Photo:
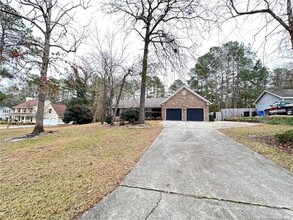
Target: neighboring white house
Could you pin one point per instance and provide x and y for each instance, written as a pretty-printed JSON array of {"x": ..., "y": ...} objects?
[
  {"x": 267, "y": 98},
  {"x": 5, "y": 113},
  {"x": 26, "y": 112}
]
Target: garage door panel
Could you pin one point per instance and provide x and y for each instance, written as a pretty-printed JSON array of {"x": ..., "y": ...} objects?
[
  {"x": 195, "y": 114},
  {"x": 174, "y": 114},
  {"x": 50, "y": 121}
]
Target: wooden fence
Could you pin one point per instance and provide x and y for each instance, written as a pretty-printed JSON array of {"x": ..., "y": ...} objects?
[{"x": 233, "y": 112}]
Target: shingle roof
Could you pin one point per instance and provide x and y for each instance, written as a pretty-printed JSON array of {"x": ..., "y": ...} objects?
[
  {"x": 27, "y": 104},
  {"x": 149, "y": 103},
  {"x": 283, "y": 93},
  {"x": 59, "y": 109}
]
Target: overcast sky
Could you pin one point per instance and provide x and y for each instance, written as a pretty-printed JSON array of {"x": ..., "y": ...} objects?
[{"x": 240, "y": 30}]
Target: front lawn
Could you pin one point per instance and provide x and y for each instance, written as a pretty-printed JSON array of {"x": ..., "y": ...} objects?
[
  {"x": 62, "y": 174},
  {"x": 261, "y": 138}
]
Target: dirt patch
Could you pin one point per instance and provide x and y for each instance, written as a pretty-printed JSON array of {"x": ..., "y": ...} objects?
[{"x": 272, "y": 141}]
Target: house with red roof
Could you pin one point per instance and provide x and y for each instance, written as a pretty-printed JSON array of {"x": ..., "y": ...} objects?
[{"x": 26, "y": 112}]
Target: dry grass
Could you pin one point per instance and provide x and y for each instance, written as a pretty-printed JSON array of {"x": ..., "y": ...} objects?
[
  {"x": 248, "y": 137},
  {"x": 60, "y": 175}
]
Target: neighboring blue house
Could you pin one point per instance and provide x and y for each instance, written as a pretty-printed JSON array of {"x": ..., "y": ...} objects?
[{"x": 267, "y": 98}]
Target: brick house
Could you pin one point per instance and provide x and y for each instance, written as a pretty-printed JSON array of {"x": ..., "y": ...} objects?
[{"x": 183, "y": 105}]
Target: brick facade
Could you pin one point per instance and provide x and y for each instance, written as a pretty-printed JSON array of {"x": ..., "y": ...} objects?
[{"x": 185, "y": 99}]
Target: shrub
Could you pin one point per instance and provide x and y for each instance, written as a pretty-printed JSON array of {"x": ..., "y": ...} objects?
[
  {"x": 242, "y": 119},
  {"x": 152, "y": 115},
  {"x": 285, "y": 136},
  {"x": 108, "y": 119},
  {"x": 78, "y": 111},
  {"x": 130, "y": 114},
  {"x": 278, "y": 120}
]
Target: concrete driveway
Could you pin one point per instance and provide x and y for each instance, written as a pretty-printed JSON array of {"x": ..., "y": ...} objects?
[{"x": 192, "y": 171}]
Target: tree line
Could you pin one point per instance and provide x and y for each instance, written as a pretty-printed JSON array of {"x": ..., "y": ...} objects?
[{"x": 230, "y": 76}]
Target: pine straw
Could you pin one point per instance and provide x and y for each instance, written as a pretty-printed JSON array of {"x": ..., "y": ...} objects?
[{"x": 60, "y": 175}]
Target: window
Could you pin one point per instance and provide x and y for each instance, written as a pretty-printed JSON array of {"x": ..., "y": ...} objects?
[
  {"x": 50, "y": 110},
  {"x": 18, "y": 110},
  {"x": 24, "y": 110}
]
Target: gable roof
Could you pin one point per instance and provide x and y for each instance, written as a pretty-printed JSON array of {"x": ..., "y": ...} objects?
[
  {"x": 27, "y": 104},
  {"x": 134, "y": 103},
  {"x": 59, "y": 109},
  {"x": 189, "y": 90},
  {"x": 282, "y": 94}
]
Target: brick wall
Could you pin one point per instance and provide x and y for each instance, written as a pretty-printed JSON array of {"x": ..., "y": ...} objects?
[{"x": 185, "y": 99}]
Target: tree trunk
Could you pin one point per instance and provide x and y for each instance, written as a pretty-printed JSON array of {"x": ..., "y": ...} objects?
[
  {"x": 118, "y": 98},
  {"x": 111, "y": 94},
  {"x": 290, "y": 20},
  {"x": 95, "y": 107},
  {"x": 104, "y": 100},
  {"x": 141, "y": 117},
  {"x": 291, "y": 35},
  {"x": 2, "y": 43},
  {"x": 39, "y": 127}
]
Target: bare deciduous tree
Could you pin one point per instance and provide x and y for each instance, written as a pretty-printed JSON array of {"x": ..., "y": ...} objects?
[
  {"x": 157, "y": 23},
  {"x": 280, "y": 13},
  {"x": 53, "y": 19},
  {"x": 107, "y": 61},
  {"x": 126, "y": 74}
]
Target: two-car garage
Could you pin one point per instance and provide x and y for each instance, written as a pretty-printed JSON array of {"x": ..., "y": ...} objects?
[
  {"x": 192, "y": 114},
  {"x": 185, "y": 105}
]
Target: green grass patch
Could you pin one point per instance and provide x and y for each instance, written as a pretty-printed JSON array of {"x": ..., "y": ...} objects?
[
  {"x": 285, "y": 136},
  {"x": 60, "y": 175},
  {"x": 277, "y": 120}
]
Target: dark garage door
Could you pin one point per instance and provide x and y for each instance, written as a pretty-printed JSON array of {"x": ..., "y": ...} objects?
[
  {"x": 194, "y": 114},
  {"x": 174, "y": 114}
]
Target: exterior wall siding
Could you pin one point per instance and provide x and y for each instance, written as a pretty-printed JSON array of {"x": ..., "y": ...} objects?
[
  {"x": 265, "y": 101},
  {"x": 184, "y": 102},
  {"x": 5, "y": 113}
]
